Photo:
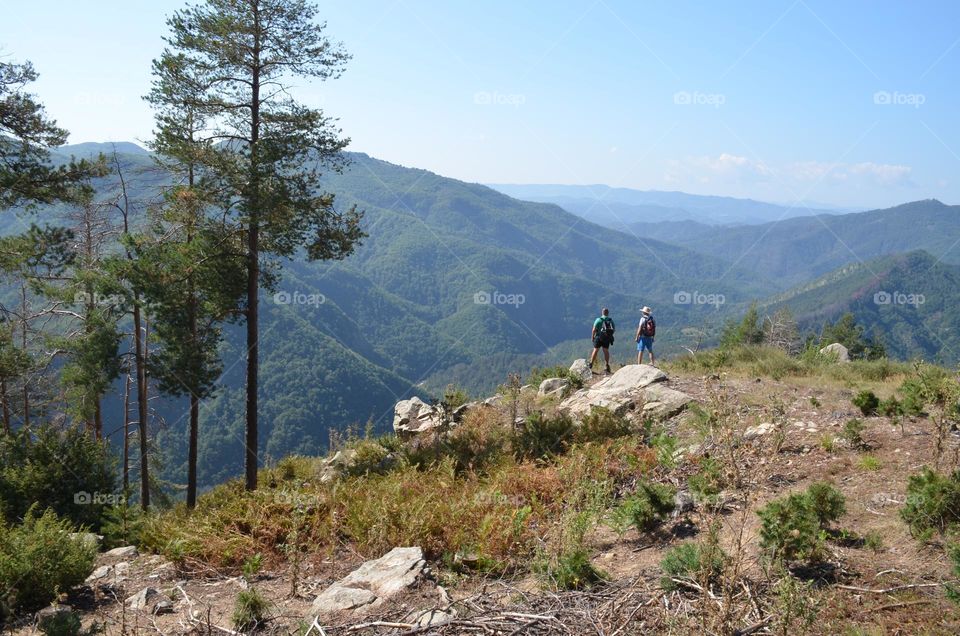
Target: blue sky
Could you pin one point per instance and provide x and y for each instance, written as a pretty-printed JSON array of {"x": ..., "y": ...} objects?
[{"x": 849, "y": 103}]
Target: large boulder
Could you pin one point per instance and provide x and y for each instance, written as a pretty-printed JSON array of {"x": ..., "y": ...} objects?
[
  {"x": 620, "y": 392},
  {"x": 581, "y": 369},
  {"x": 372, "y": 583},
  {"x": 836, "y": 351},
  {"x": 415, "y": 416}
]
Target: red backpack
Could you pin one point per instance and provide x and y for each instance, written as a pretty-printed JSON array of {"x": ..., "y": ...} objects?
[{"x": 648, "y": 328}]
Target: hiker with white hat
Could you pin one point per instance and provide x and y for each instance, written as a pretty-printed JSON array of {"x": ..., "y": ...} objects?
[{"x": 646, "y": 330}]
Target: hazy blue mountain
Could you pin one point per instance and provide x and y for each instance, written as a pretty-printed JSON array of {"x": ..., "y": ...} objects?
[
  {"x": 618, "y": 207},
  {"x": 794, "y": 251}
]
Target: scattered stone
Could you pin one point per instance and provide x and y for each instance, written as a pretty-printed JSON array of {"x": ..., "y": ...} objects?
[
  {"x": 163, "y": 607},
  {"x": 141, "y": 599},
  {"x": 553, "y": 387},
  {"x": 495, "y": 400},
  {"x": 581, "y": 369},
  {"x": 415, "y": 416},
  {"x": 759, "y": 430},
  {"x": 372, "y": 583},
  {"x": 99, "y": 574},
  {"x": 125, "y": 552},
  {"x": 528, "y": 388},
  {"x": 683, "y": 502},
  {"x": 53, "y": 614},
  {"x": 836, "y": 351},
  {"x": 432, "y": 618}
]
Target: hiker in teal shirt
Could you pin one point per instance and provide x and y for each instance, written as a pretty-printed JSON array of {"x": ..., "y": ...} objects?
[{"x": 602, "y": 336}]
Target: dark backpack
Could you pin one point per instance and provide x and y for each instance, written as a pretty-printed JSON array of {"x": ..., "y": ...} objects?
[
  {"x": 649, "y": 327},
  {"x": 607, "y": 327}
]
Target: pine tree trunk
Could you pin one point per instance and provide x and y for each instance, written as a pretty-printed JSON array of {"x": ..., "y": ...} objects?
[
  {"x": 126, "y": 434},
  {"x": 192, "y": 458},
  {"x": 139, "y": 345},
  {"x": 253, "y": 265},
  {"x": 6, "y": 405},
  {"x": 97, "y": 419}
]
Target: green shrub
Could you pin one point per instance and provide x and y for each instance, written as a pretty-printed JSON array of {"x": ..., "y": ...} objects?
[
  {"x": 602, "y": 424},
  {"x": 692, "y": 561},
  {"x": 867, "y": 402},
  {"x": 789, "y": 529},
  {"x": 707, "y": 483},
  {"x": 250, "y": 610},
  {"x": 870, "y": 462},
  {"x": 65, "y": 470},
  {"x": 891, "y": 407},
  {"x": 933, "y": 501},
  {"x": 853, "y": 433},
  {"x": 121, "y": 524},
  {"x": 646, "y": 508},
  {"x": 38, "y": 559},
  {"x": 539, "y": 436},
  {"x": 873, "y": 540},
  {"x": 573, "y": 571},
  {"x": 828, "y": 503},
  {"x": 66, "y": 623},
  {"x": 453, "y": 398}
]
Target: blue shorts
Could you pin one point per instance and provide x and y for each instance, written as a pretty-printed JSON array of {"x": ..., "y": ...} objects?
[{"x": 645, "y": 342}]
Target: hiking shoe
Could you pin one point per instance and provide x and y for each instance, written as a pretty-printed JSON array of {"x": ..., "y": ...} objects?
[{"x": 608, "y": 369}]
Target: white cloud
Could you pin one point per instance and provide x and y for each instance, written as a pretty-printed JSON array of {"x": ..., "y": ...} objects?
[
  {"x": 729, "y": 169},
  {"x": 879, "y": 174}
]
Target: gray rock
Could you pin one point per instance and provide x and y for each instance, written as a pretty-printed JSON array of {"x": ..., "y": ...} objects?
[
  {"x": 52, "y": 614},
  {"x": 101, "y": 573},
  {"x": 415, "y": 416},
  {"x": 662, "y": 403},
  {"x": 581, "y": 369},
  {"x": 372, "y": 583},
  {"x": 836, "y": 351},
  {"x": 433, "y": 617},
  {"x": 163, "y": 607},
  {"x": 496, "y": 400},
  {"x": 620, "y": 392},
  {"x": 125, "y": 552},
  {"x": 683, "y": 502},
  {"x": 759, "y": 430},
  {"x": 553, "y": 387},
  {"x": 141, "y": 599}
]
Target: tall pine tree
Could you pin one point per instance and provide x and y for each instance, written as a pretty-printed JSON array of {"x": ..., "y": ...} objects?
[{"x": 242, "y": 55}]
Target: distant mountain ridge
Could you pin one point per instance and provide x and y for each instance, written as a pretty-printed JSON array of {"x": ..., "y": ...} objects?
[
  {"x": 796, "y": 250},
  {"x": 620, "y": 207}
]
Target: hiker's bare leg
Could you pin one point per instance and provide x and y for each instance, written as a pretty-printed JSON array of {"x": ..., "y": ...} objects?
[
  {"x": 606, "y": 356},
  {"x": 593, "y": 356}
]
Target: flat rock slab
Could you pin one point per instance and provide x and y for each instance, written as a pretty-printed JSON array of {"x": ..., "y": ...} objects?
[
  {"x": 372, "y": 583},
  {"x": 619, "y": 393},
  {"x": 661, "y": 402}
]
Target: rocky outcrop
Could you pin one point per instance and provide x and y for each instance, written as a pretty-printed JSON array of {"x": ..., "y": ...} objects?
[
  {"x": 414, "y": 416},
  {"x": 344, "y": 462},
  {"x": 372, "y": 583},
  {"x": 622, "y": 392},
  {"x": 581, "y": 369},
  {"x": 553, "y": 387},
  {"x": 836, "y": 351}
]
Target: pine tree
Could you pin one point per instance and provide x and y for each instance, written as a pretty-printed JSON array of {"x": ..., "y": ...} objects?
[
  {"x": 26, "y": 133},
  {"x": 241, "y": 56}
]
